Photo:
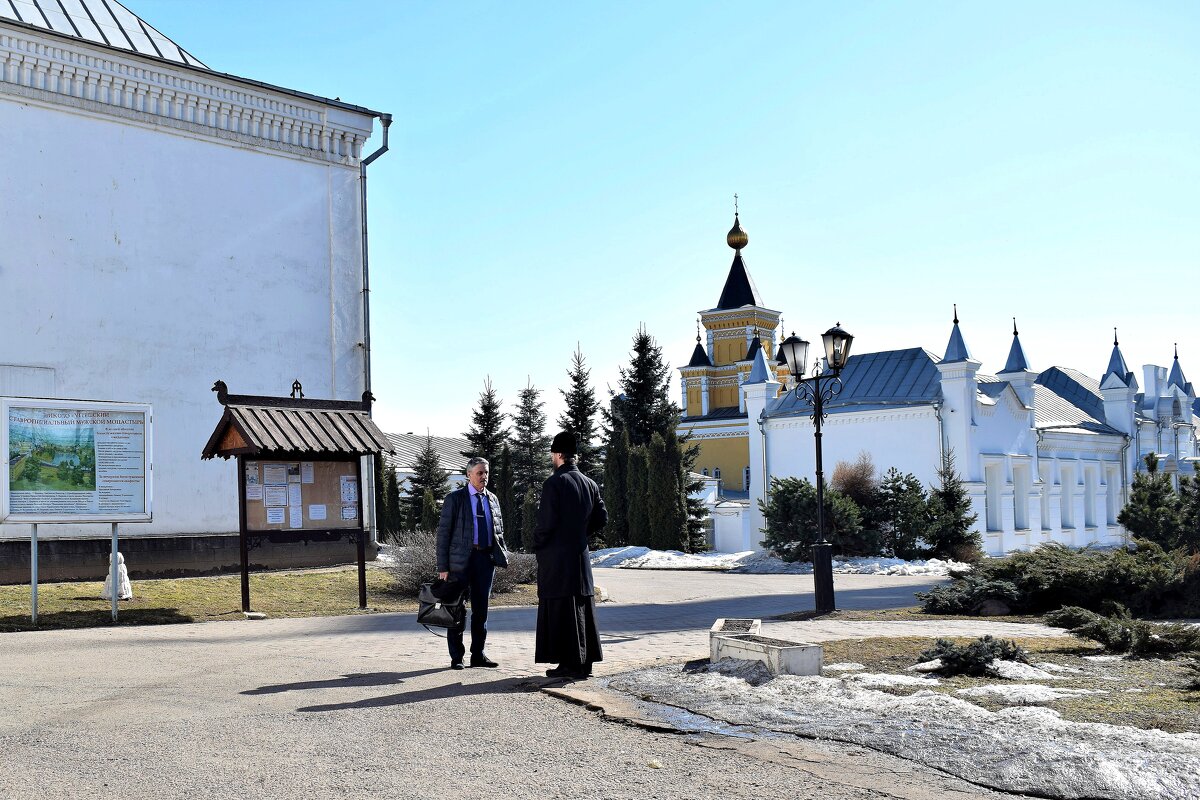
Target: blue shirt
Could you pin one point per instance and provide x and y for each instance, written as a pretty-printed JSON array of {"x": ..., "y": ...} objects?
[{"x": 487, "y": 512}]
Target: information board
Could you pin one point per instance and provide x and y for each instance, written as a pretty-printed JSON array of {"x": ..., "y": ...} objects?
[
  {"x": 75, "y": 461},
  {"x": 305, "y": 495}
]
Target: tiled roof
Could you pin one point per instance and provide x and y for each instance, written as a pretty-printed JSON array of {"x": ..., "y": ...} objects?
[
  {"x": 408, "y": 446},
  {"x": 739, "y": 287},
  {"x": 888, "y": 378},
  {"x": 105, "y": 22}
]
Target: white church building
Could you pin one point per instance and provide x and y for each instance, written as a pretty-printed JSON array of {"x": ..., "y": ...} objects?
[
  {"x": 1046, "y": 456},
  {"x": 165, "y": 225}
]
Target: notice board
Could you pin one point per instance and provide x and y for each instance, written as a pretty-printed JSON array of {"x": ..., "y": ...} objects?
[{"x": 302, "y": 495}]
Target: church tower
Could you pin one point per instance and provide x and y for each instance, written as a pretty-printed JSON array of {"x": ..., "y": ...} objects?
[{"x": 734, "y": 332}]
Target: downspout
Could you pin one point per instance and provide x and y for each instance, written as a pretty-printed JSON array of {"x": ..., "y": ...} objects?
[
  {"x": 937, "y": 412},
  {"x": 1125, "y": 484},
  {"x": 385, "y": 120}
]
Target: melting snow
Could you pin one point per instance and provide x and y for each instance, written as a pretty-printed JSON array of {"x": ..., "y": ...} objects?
[
  {"x": 762, "y": 563},
  {"x": 927, "y": 666},
  {"x": 883, "y": 679},
  {"x": 1025, "y": 694},
  {"x": 847, "y": 666},
  {"x": 1021, "y": 749},
  {"x": 1016, "y": 671}
]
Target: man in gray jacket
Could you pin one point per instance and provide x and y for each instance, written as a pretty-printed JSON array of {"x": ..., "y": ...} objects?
[{"x": 469, "y": 533}]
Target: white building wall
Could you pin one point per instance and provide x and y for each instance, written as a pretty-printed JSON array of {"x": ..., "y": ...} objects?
[{"x": 143, "y": 261}]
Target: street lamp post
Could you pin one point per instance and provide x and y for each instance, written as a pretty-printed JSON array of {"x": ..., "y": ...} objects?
[{"x": 819, "y": 389}]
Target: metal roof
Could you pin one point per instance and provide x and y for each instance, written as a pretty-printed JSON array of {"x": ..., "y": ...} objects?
[
  {"x": 956, "y": 348},
  {"x": 293, "y": 426},
  {"x": 408, "y": 446},
  {"x": 1016, "y": 356},
  {"x": 725, "y": 412},
  {"x": 888, "y": 378},
  {"x": 1076, "y": 388},
  {"x": 105, "y": 22},
  {"x": 700, "y": 357},
  {"x": 739, "y": 287}
]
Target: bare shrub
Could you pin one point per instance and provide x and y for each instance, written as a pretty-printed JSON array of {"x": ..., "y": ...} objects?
[
  {"x": 415, "y": 561},
  {"x": 522, "y": 568}
]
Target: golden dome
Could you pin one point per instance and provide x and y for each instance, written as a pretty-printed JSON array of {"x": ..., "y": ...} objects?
[{"x": 737, "y": 238}]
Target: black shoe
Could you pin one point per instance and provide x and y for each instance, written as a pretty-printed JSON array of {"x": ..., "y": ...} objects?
[
  {"x": 574, "y": 673},
  {"x": 481, "y": 660},
  {"x": 456, "y": 664}
]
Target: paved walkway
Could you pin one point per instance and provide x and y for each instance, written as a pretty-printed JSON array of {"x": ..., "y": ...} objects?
[{"x": 344, "y": 706}]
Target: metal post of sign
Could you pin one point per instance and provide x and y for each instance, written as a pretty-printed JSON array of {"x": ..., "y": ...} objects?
[
  {"x": 113, "y": 572},
  {"x": 33, "y": 571}
]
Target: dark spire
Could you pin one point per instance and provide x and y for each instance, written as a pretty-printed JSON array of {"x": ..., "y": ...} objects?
[
  {"x": 1176, "y": 377},
  {"x": 956, "y": 348},
  {"x": 1016, "y": 355},
  {"x": 699, "y": 355},
  {"x": 1116, "y": 363}
]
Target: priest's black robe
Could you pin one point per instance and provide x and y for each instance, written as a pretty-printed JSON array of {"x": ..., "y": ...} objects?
[{"x": 571, "y": 510}]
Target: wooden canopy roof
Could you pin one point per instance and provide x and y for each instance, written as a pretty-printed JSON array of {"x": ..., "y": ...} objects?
[{"x": 293, "y": 426}]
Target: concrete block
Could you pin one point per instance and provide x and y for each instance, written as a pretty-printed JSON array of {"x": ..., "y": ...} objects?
[
  {"x": 781, "y": 657},
  {"x": 729, "y": 627}
]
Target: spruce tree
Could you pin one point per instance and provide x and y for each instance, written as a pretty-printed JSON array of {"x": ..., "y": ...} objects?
[
  {"x": 530, "y": 447},
  {"x": 644, "y": 406},
  {"x": 637, "y": 485},
  {"x": 380, "y": 497},
  {"x": 691, "y": 486},
  {"x": 616, "y": 490},
  {"x": 529, "y": 509},
  {"x": 1189, "y": 513},
  {"x": 1153, "y": 512},
  {"x": 393, "y": 512},
  {"x": 487, "y": 434},
  {"x": 665, "y": 512},
  {"x": 428, "y": 475},
  {"x": 903, "y": 514},
  {"x": 429, "y": 512},
  {"x": 579, "y": 417},
  {"x": 951, "y": 532},
  {"x": 504, "y": 491},
  {"x": 790, "y": 515}
]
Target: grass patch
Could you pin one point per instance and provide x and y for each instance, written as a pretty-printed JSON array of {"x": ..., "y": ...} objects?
[
  {"x": 1160, "y": 697},
  {"x": 292, "y": 593}
]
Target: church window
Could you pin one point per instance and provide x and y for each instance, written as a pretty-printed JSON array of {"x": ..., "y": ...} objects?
[
  {"x": 1068, "y": 497},
  {"x": 704, "y": 472},
  {"x": 1114, "y": 495},
  {"x": 1089, "y": 497},
  {"x": 717, "y": 473},
  {"x": 746, "y": 478},
  {"x": 1022, "y": 483},
  {"x": 993, "y": 474}
]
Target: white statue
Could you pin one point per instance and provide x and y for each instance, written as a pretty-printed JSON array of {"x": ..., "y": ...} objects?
[{"x": 125, "y": 590}]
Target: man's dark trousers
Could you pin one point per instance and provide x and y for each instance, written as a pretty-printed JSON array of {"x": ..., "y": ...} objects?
[{"x": 479, "y": 574}]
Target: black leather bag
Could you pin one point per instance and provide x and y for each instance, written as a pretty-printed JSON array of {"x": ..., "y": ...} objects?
[{"x": 442, "y": 604}]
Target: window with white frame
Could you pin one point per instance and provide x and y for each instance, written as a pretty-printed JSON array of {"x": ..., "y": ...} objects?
[
  {"x": 1022, "y": 484},
  {"x": 1068, "y": 497},
  {"x": 992, "y": 476},
  {"x": 1090, "y": 487}
]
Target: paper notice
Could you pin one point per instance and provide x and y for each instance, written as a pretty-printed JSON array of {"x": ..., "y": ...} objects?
[
  {"x": 295, "y": 517},
  {"x": 274, "y": 474},
  {"x": 252, "y": 478},
  {"x": 275, "y": 496},
  {"x": 306, "y": 472},
  {"x": 349, "y": 491},
  {"x": 317, "y": 512},
  {"x": 274, "y": 516},
  {"x": 349, "y": 512},
  {"x": 254, "y": 492},
  {"x": 293, "y": 473},
  {"x": 294, "y": 495}
]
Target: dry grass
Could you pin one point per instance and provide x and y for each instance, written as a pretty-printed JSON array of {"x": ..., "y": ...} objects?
[
  {"x": 908, "y": 614},
  {"x": 1160, "y": 696},
  {"x": 298, "y": 593}
]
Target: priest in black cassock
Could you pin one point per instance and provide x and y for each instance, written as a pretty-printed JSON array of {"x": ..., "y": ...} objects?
[{"x": 571, "y": 510}]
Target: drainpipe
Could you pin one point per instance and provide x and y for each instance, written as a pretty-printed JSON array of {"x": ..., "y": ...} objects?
[
  {"x": 762, "y": 429},
  {"x": 1125, "y": 485},
  {"x": 369, "y": 483},
  {"x": 385, "y": 120},
  {"x": 937, "y": 412}
]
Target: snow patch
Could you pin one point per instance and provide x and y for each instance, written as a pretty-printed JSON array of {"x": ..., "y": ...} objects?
[
  {"x": 1023, "y": 694},
  {"x": 847, "y": 666},
  {"x": 763, "y": 563},
  {"x": 927, "y": 666},
  {"x": 1016, "y": 671},
  {"x": 880, "y": 680},
  {"x": 1026, "y": 749}
]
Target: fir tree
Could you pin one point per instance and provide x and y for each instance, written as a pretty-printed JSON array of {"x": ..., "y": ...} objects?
[
  {"x": 644, "y": 406},
  {"x": 529, "y": 509},
  {"x": 393, "y": 512},
  {"x": 504, "y": 491},
  {"x": 429, "y": 512},
  {"x": 579, "y": 417},
  {"x": 903, "y": 514},
  {"x": 790, "y": 515},
  {"x": 1189, "y": 513},
  {"x": 637, "y": 484},
  {"x": 951, "y": 531},
  {"x": 685, "y": 454},
  {"x": 666, "y": 514},
  {"x": 487, "y": 435},
  {"x": 1153, "y": 512},
  {"x": 530, "y": 447},
  {"x": 428, "y": 475},
  {"x": 616, "y": 488},
  {"x": 380, "y": 499}
]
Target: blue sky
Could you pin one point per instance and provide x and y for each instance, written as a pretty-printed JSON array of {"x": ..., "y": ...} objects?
[{"x": 561, "y": 172}]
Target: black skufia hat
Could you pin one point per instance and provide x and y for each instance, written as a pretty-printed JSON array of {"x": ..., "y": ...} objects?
[{"x": 563, "y": 444}]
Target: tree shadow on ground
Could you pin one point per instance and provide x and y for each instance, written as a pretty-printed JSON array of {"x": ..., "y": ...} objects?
[
  {"x": 95, "y": 618},
  {"x": 346, "y": 681},
  {"x": 447, "y": 691}
]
